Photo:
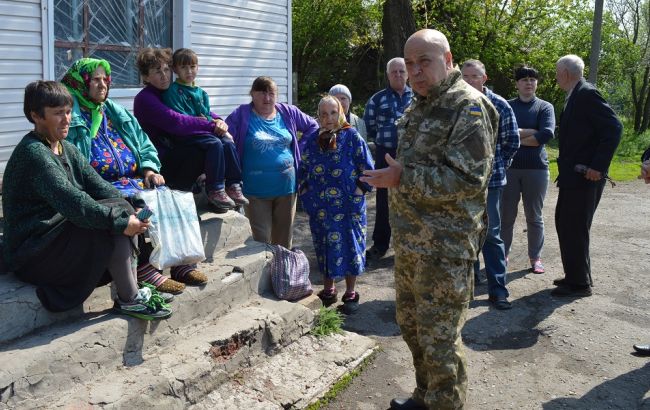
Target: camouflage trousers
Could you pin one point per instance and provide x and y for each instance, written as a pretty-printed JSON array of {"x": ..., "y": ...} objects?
[{"x": 432, "y": 297}]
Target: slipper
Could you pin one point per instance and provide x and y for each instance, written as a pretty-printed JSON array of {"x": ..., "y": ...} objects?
[
  {"x": 328, "y": 296},
  {"x": 194, "y": 278},
  {"x": 350, "y": 303}
]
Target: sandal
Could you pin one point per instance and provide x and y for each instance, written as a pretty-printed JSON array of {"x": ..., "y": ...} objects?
[
  {"x": 536, "y": 266},
  {"x": 328, "y": 296},
  {"x": 350, "y": 303}
]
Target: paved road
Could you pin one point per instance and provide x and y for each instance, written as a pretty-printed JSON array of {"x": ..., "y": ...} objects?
[{"x": 545, "y": 353}]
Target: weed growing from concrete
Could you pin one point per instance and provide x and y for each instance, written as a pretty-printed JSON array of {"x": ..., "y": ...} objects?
[
  {"x": 342, "y": 383},
  {"x": 327, "y": 322}
]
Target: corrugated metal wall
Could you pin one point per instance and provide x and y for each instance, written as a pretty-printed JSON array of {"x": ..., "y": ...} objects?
[
  {"x": 236, "y": 40},
  {"x": 21, "y": 63}
]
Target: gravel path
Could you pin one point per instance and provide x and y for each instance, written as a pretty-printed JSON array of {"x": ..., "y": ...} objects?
[{"x": 546, "y": 352}]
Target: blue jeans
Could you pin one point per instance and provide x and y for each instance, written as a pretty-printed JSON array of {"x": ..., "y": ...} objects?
[
  {"x": 494, "y": 254},
  {"x": 382, "y": 232}
]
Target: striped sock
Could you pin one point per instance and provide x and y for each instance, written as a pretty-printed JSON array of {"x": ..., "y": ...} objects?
[
  {"x": 147, "y": 273},
  {"x": 179, "y": 272}
]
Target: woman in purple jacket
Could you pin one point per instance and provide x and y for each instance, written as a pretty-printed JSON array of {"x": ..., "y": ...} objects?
[
  {"x": 161, "y": 122},
  {"x": 265, "y": 133}
]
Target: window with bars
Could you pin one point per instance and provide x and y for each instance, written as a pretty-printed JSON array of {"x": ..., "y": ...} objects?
[{"x": 114, "y": 30}]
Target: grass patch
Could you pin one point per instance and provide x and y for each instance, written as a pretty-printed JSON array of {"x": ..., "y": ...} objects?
[
  {"x": 342, "y": 383},
  {"x": 327, "y": 322},
  {"x": 622, "y": 168}
]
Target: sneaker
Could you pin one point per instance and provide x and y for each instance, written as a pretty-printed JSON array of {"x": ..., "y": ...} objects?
[
  {"x": 220, "y": 200},
  {"x": 147, "y": 305},
  {"x": 167, "y": 297},
  {"x": 234, "y": 192},
  {"x": 500, "y": 303},
  {"x": 536, "y": 266}
]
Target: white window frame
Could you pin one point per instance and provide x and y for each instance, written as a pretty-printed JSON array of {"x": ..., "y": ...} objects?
[{"x": 180, "y": 38}]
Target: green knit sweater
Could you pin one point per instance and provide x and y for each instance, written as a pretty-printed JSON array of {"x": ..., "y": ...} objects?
[{"x": 38, "y": 192}]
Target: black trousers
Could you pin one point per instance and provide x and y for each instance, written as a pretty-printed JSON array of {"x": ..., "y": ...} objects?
[
  {"x": 72, "y": 264},
  {"x": 382, "y": 232},
  {"x": 574, "y": 213},
  {"x": 182, "y": 165}
]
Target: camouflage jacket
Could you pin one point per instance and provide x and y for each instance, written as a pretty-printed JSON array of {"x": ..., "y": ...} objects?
[{"x": 446, "y": 147}]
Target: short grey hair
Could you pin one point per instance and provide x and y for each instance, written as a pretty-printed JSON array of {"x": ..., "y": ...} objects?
[
  {"x": 474, "y": 63},
  {"x": 574, "y": 65},
  {"x": 394, "y": 61}
]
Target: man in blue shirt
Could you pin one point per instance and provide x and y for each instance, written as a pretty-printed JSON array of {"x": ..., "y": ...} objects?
[
  {"x": 507, "y": 144},
  {"x": 382, "y": 110}
]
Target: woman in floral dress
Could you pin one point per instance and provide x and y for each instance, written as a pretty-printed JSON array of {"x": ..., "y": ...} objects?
[{"x": 328, "y": 181}]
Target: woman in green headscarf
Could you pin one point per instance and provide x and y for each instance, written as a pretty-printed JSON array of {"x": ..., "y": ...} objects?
[{"x": 119, "y": 150}]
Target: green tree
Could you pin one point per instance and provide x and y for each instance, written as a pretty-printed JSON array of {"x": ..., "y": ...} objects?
[
  {"x": 330, "y": 40},
  {"x": 634, "y": 18}
]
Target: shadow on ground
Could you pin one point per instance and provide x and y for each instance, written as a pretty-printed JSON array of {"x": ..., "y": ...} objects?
[
  {"x": 627, "y": 391},
  {"x": 374, "y": 318},
  {"x": 511, "y": 329}
]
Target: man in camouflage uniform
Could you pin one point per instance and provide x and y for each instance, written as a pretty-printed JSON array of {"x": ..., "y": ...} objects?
[{"x": 437, "y": 201}]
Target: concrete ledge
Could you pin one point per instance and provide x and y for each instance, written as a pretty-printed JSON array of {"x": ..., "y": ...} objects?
[
  {"x": 32, "y": 366},
  {"x": 196, "y": 360},
  {"x": 223, "y": 236}
]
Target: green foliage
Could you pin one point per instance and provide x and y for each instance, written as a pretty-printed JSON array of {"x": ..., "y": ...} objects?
[
  {"x": 505, "y": 35},
  {"x": 330, "y": 40},
  {"x": 626, "y": 163},
  {"x": 327, "y": 322},
  {"x": 632, "y": 144},
  {"x": 339, "y": 41}
]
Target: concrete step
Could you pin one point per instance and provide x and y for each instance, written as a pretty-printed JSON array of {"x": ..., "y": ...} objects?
[
  {"x": 33, "y": 365},
  {"x": 293, "y": 379},
  {"x": 172, "y": 372},
  {"x": 223, "y": 235}
]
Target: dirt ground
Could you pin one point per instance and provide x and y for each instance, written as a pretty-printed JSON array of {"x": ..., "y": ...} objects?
[{"x": 546, "y": 352}]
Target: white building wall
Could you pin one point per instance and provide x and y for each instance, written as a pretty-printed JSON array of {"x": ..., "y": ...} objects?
[
  {"x": 22, "y": 62},
  {"x": 237, "y": 41}
]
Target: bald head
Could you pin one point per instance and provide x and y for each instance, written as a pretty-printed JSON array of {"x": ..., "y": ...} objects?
[{"x": 428, "y": 59}]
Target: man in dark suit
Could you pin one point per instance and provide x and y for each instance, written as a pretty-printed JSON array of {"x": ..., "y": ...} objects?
[{"x": 589, "y": 134}]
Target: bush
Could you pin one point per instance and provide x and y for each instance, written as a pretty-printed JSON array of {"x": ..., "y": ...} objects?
[{"x": 632, "y": 144}]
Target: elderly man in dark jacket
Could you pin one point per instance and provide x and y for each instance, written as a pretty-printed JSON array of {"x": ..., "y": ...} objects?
[{"x": 589, "y": 135}]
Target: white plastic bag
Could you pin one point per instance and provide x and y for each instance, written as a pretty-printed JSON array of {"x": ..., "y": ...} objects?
[{"x": 175, "y": 233}]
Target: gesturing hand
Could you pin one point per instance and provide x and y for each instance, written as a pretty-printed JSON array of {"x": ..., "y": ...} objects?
[{"x": 386, "y": 177}]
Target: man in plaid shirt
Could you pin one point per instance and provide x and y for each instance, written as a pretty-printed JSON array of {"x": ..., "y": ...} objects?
[
  {"x": 494, "y": 254},
  {"x": 382, "y": 110}
]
